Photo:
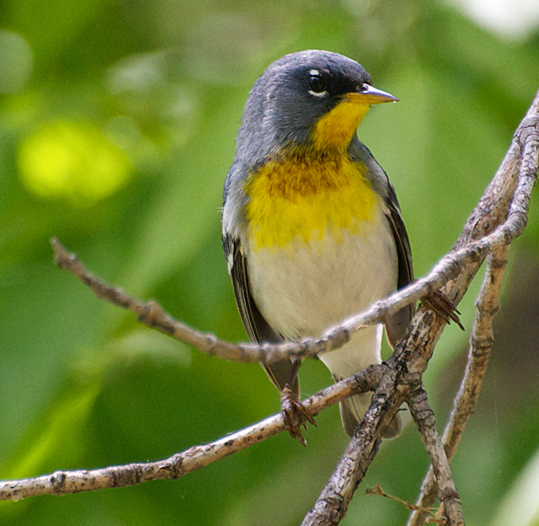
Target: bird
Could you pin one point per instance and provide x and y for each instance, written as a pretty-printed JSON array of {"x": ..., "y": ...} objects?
[{"x": 311, "y": 226}]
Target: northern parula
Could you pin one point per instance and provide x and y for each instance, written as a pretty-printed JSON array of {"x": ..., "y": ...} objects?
[{"x": 312, "y": 228}]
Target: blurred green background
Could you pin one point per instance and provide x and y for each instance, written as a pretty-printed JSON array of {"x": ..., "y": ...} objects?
[{"x": 117, "y": 126}]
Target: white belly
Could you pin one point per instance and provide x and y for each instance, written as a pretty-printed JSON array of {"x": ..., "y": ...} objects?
[{"x": 302, "y": 291}]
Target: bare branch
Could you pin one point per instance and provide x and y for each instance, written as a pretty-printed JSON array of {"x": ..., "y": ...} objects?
[
  {"x": 377, "y": 490},
  {"x": 500, "y": 216},
  {"x": 332, "y": 504},
  {"x": 498, "y": 194},
  {"x": 481, "y": 342},
  {"x": 424, "y": 418},
  {"x": 484, "y": 219},
  {"x": 196, "y": 457}
]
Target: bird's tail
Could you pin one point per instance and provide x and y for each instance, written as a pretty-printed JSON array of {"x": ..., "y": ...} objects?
[
  {"x": 353, "y": 410},
  {"x": 363, "y": 350}
]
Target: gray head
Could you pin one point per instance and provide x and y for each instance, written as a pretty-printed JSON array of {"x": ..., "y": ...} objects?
[{"x": 293, "y": 95}]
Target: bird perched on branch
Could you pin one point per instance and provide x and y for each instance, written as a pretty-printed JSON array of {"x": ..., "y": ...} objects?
[{"x": 312, "y": 228}]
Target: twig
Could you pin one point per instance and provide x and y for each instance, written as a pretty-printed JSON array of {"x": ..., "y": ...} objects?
[
  {"x": 196, "y": 457},
  {"x": 152, "y": 314},
  {"x": 424, "y": 418},
  {"x": 500, "y": 216},
  {"x": 449, "y": 268},
  {"x": 498, "y": 194},
  {"x": 481, "y": 342},
  {"x": 333, "y": 502},
  {"x": 378, "y": 491}
]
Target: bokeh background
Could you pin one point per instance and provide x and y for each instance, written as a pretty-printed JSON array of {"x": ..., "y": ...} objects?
[{"x": 117, "y": 127}]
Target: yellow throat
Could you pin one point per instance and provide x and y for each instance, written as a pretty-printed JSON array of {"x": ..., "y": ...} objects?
[{"x": 315, "y": 191}]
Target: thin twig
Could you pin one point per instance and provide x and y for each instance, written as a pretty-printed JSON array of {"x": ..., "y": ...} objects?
[
  {"x": 196, "y": 457},
  {"x": 481, "y": 342},
  {"x": 501, "y": 216},
  {"x": 523, "y": 155},
  {"x": 424, "y": 418},
  {"x": 448, "y": 268},
  {"x": 333, "y": 502},
  {"x": 152, "y": 314},
  {"x": 378, "y": 491}
]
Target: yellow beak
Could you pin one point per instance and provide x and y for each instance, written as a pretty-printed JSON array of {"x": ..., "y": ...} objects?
[{"x": 371, "y": 95}]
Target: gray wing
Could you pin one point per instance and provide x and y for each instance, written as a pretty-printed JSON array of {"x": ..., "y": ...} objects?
[
  {"x": 258, "y": 329},
  {"x": 397, "y": 325}
]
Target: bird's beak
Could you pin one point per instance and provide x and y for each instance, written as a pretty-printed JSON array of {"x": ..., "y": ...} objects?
[{"x": 370, "y": 95}]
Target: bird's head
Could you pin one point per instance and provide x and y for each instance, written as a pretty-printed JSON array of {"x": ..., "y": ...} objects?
[{"x": 308, "y": 100}]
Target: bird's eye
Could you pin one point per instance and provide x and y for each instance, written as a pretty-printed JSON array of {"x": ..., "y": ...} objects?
[
  {"x": 317, "y": 84},
  {"x": 363, "y": 86}
]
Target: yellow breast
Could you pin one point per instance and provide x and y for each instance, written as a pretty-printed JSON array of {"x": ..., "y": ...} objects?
[{"x": 304, "y": 199}]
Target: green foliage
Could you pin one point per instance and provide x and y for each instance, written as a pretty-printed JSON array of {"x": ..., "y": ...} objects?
[{"x": 117, "y": 130}]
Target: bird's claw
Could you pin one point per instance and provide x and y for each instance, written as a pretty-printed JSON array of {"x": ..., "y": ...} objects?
[
  {"x": 443, "y": 306},
  {"x": 295, "y": 414}
]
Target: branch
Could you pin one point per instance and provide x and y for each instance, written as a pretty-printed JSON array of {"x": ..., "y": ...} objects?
[
  {"x": 153, "y": 315},
  {"x": 196, "y": 457},
  {"x": 497, "y": 220},
  {"x": 377, "y": 490},
  {"x": 500, "y": 216},
  {"x": 424, "y": 418},
  {"x": 485, "y": 217},
  {"x": 481, "y": 342},
  {"x": 332, "y": 504},
  {"x": 526, "y": 139}
]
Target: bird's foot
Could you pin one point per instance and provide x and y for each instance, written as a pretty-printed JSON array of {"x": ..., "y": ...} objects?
[
  {"x": 295, "y": 414},
  {"x": 443, "y": 306}
]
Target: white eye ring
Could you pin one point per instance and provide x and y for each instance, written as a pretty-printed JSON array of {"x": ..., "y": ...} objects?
[{"x": 319, "y": 94}]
